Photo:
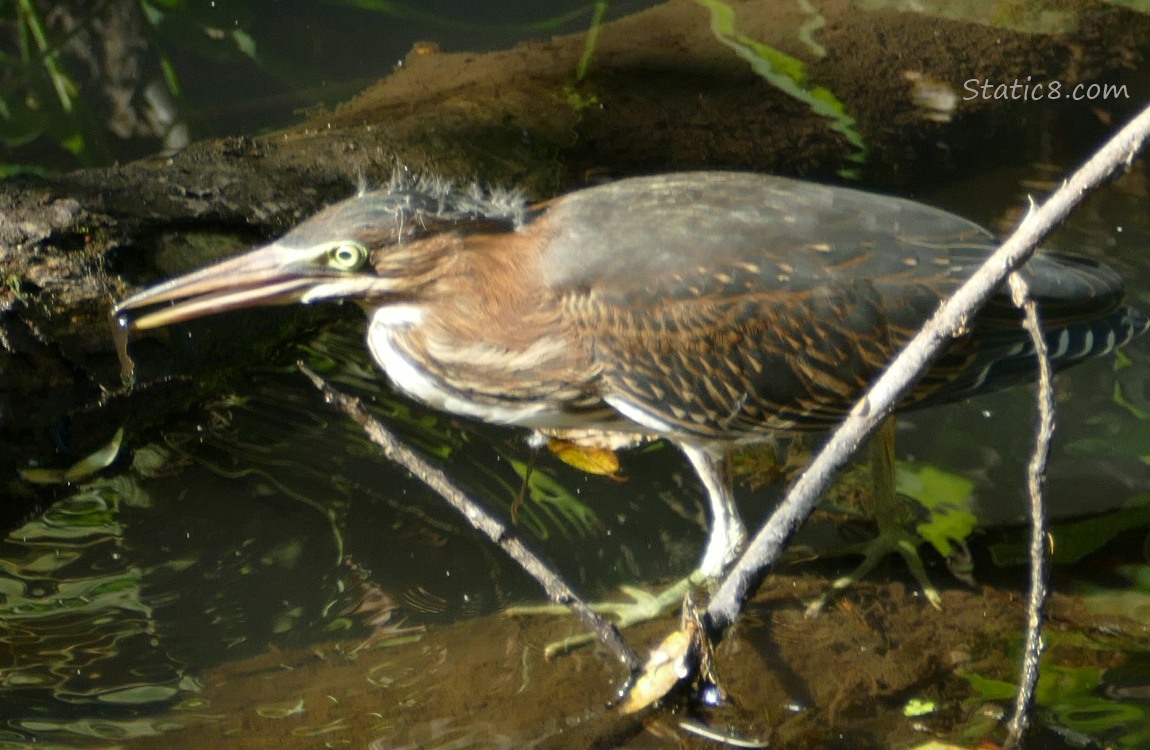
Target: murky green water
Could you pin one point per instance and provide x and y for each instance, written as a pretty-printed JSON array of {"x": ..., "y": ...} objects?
[{"x": 184, "y": 596}]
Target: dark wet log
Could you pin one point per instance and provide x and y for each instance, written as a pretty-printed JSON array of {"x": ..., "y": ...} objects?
[{"x": 663, "y": 93}]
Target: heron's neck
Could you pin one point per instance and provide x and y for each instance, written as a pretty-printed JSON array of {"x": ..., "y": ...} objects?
[{"x": 486, "y": 339}]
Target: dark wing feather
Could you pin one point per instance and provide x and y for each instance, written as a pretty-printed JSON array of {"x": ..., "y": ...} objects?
[{"x": 721, "y": 302}]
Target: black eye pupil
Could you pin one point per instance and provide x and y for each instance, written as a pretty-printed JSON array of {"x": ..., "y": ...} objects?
[{"x": 347, "y": 255}]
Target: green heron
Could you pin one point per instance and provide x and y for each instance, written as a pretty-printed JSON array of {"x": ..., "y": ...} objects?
[{"x": 712, "y": 309}]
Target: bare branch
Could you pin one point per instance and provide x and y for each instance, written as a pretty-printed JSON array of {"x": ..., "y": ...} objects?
[
  {"x": 904, "y": 371},
  {"x": 1035, "y": 479},
  {"x": 479, "y": 518}
]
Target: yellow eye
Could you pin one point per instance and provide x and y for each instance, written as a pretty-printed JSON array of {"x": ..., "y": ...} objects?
[{"x": 347, "y": 256}]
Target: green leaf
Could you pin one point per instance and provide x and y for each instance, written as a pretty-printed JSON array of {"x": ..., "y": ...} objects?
[
  {"x": 946, "y": 497},
  {"x": 245, "y": 43},
  {"x": 786, "y": 73}
]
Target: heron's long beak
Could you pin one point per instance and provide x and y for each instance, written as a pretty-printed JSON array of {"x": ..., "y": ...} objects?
[{"x": 272, "y": 275}]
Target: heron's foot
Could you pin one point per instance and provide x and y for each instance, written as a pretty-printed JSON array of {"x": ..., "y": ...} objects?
[
  {"x": 892, "y": 539},
  {"x": 643, "y": 607},
  {"x": 899, "y": 528}
]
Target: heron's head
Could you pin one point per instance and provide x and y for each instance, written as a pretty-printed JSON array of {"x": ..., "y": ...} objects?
[{"x": 367, "y": 248}]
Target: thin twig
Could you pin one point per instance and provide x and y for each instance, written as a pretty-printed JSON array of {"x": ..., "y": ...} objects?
[
  {"x": 495, "y": 530},
  {"x": 745, "y": 577},
  {"x": 1035, "y": 479}
]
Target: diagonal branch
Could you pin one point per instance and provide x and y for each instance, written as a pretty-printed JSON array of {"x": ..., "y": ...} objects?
[
  {"x": 479, "y": 518},
  {"x": 750, "y": 570}
]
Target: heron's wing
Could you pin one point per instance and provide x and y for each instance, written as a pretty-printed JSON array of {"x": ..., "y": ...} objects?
[{"x": 720, "y": 303}]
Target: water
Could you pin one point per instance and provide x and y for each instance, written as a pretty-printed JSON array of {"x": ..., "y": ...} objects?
[{"x": 258, "y": 576}]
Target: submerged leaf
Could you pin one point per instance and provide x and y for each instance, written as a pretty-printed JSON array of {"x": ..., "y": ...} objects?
[
  {"x": 946, "y": 496},
  {"x": 83, "y": 469},
  {"x": 665, "y": 667}
]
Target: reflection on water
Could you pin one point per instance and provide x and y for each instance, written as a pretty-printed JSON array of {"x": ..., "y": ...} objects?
[
  {"x": 260, "y": 575},
  {"x": 269, "y": 521},
  {"x": 263, "y": 538},
  {"x": 183, "y": 592},
  {"x": 79, "y": 631}
]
